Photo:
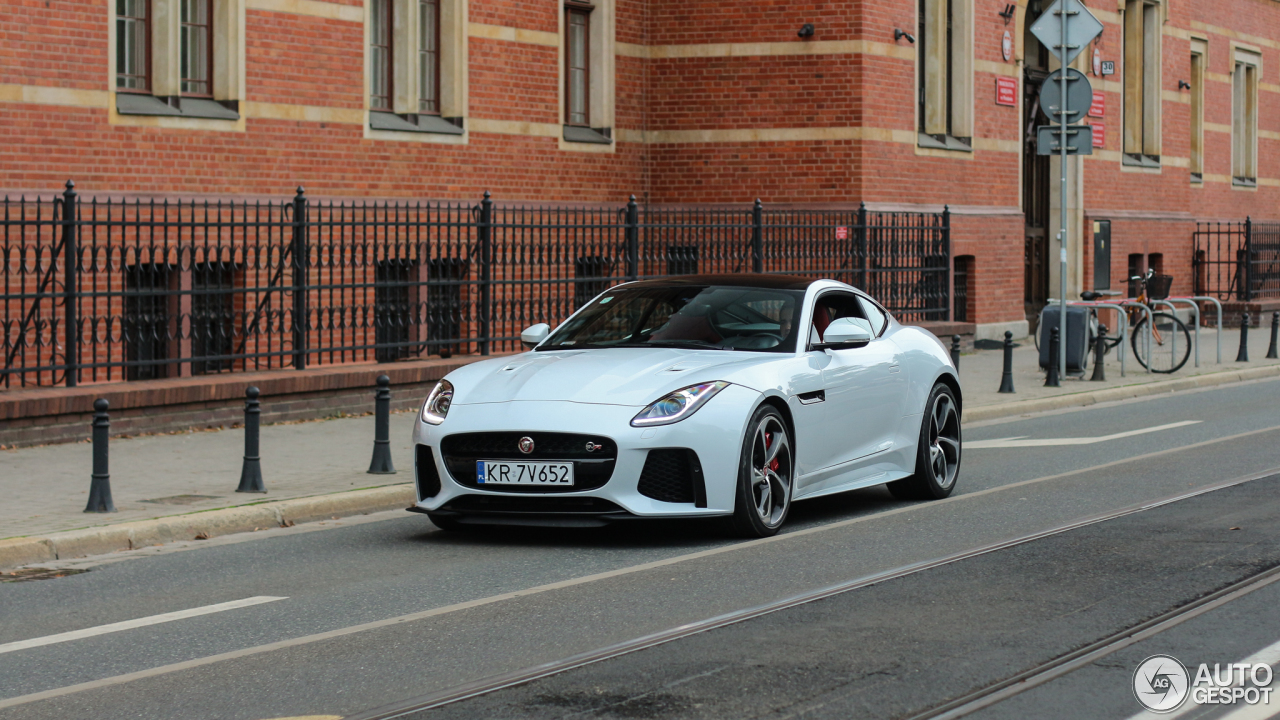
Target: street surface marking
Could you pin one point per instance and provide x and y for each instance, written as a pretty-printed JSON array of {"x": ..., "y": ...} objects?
[
  {"x": 1023, "y": 441},
  {"x": 1269, "y": 655},
  {"x": 586, "y": 579},
  {"x": 139, "y": 622}
]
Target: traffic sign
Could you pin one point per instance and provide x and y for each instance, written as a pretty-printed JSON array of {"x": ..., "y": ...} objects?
[
  {"x": 1082, "y": 27},
  {"x": 1079, "y": 96},
  {"x": 1079, "y": 140}
]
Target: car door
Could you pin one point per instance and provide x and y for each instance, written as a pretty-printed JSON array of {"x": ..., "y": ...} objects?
[{"x": 855, "y": 413}]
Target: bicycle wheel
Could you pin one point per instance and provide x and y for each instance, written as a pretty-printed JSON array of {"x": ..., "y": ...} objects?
[{"x": 1170, "y": 343}]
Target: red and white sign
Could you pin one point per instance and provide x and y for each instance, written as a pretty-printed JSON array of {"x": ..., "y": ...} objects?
[
  {"x": 1099, "y": 133},
  {"x": 1099, "y": 107},
  {"x": 1007, "y": 91},
  {"x": 842, "y": 233},
  {"x": 1006, "y": 46}
]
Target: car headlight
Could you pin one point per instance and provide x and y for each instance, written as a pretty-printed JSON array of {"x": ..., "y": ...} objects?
[
  {"x": 678, "y": 405},
  {"x": 437, "y": 405}
]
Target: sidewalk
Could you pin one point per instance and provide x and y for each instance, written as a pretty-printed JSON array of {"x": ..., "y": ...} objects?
[{"x": 173, "y": 476}]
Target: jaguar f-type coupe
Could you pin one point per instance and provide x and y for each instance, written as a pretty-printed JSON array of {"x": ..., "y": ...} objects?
[{"x": 696, "y": 396}]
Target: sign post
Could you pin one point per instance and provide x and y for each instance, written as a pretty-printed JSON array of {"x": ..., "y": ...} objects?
[{"x": 1067, "y": 26}]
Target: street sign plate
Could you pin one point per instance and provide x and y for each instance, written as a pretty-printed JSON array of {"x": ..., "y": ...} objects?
[
  {"x": 1079, "y": 96},
  {"x": 1099, "y": 133},
  {"x": 1079, "y": 140},
  {"x": 1099, "y": 106},
  {"x": 1082, "y": 27},
  {"x": 1006, "y": 91}
]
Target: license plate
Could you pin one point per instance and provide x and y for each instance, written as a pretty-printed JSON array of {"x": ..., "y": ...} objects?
[{"x": 503, "y": 472}]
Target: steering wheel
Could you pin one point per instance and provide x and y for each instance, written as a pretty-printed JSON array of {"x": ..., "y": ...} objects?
[{"x": 765, "y": 334}]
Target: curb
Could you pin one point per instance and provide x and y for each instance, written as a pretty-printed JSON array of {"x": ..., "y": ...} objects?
[
  {"x": 16, "y": 552},
  {"x": 1085, "y": 399}
]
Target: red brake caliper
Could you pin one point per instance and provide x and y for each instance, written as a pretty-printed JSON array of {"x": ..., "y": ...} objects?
[{"x": 768, "y": 441}]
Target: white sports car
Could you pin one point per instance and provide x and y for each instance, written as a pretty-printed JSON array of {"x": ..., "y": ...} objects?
[{"x": 697, "y": 396}]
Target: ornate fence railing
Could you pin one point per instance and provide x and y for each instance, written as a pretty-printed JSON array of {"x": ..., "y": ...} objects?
[{"x": 1237, "y": 260}]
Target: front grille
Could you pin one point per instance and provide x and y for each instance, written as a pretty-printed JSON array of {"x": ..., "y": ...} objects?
[
  {"x": 549, "y": 505},
  {"x": 673, "y": 475},
  {"x": 591, "y": 470},
  {"x": 427, "y": 476}
]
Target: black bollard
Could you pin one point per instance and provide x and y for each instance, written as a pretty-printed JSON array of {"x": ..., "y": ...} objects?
[
  {"x": 100, "y": 480},
  {"x": 955, "y": 351},
  {"x": 251, "y": 471},
  {"x": 1006, "y": 378},
  {"x": 1099, "y": 354},
  {"x": 1243, "y": 354},
  {"x": 1051, "y": 378},
  {"x": 381, "y": 463},
  {"x": 1275, "y": 328}
]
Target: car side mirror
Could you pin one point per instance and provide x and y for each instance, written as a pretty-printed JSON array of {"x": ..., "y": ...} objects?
[
  {"x": 535, "y": 334},
  {"x": 845, "y": 333}
]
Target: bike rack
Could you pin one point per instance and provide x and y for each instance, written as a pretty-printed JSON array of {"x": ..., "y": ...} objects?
[
  {"x": 1124, "y": 324},
  {"x": 1173, "y": 336},
  {"x": 1192, "y": 299},
  {"x": 1146, "y": 341}
]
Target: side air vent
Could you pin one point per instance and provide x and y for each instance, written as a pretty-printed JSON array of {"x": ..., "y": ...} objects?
[
  {"x": 428, "y": 477},
  {"x": 673, "y": 475}
]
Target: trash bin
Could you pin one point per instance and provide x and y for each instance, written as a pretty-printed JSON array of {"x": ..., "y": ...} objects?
[{"x": 1076, "y": 337}]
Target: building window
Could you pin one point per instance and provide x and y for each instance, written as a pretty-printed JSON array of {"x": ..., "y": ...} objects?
[
  {"x": 446, "y": 304},
  {"x": 212, "y": 317},
  {"x": 1142, "y": 83},
  {"x": 944, "y": 66},
  {"x": 133, "y": 46},
  {"x": 380, "y": 56},
  {"x": 197, "y": 48},
  {"x": 1198, "y": 48},
  {"x": 147, "y": 320},
  {"x": 429, "y": 57},
  {"x": 591, "y": 277},
  {"x": 682, "y": 259},
  {"x": 393, "y": 290},
  {"x": 577, "y": 22},
  {"x": 1244, "y": 119}
]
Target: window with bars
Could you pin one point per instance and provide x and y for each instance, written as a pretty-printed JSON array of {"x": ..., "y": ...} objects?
[
  {"x": 944, "y": 69},
  {"x": 380, "y": 37},
  {"x": 393, "y": 308},
  {"x": 577, "y": 24},
  {"x": 1198, "y": 48},
  {"x": 212, "y": 317},
  {"x": 429, "y": 57},
  {"x": 591, "y": 277},
  {"x": 197, "y": 48},
  {"x": 1142, "y": 99},
  {"x": 133, "y": 45},
  {"x": 1244, "y": 119},
  {"x": 147, "y": 320}
]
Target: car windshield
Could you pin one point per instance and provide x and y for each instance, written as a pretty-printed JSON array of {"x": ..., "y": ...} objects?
[{"x": 698, "y": 317}]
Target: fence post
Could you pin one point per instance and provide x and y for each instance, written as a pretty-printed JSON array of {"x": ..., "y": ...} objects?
[
  {"x": 949, "y": 279},
  {"x": 100, "y": 480},
  {"x": 757, "y": 237},
  {"x": 633, "y": 239},
  {"x": 1246, "y": 292},
  {"x": 251, "y": 470},
  {"x": 484, "y": 232},
  {"x": 381, "y": 463},
  {"x": 861, "y": 243},
  {"x": 70, "y": 287},
  {"x": 301, "y": 255}
]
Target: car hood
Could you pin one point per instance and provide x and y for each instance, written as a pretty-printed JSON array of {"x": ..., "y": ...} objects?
[{"x": 615, "y": 376}]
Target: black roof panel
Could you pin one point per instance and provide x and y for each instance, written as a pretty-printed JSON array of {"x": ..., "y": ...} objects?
[{"x": 756, "y": 280}]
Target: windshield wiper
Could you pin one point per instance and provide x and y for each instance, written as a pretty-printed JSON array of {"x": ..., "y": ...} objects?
[{"x": 691, "y": 344}]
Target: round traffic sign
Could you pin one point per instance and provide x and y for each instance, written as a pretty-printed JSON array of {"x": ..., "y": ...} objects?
[{"x": 1079, "y": 96}]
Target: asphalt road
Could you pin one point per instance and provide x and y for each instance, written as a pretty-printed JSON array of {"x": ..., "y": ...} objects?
[{"x": 377, "y": 612}]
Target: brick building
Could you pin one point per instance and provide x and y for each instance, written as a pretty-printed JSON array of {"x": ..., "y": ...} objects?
[{"x": 805, "y": 104}]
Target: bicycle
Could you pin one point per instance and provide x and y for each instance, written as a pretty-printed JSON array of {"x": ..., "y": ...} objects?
[{"x": 1170, "y": 338}]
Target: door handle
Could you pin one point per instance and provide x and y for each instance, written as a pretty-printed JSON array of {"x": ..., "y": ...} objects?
[{"x": 810, "y": 398}]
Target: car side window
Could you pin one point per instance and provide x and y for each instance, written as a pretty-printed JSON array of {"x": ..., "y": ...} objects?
[
  {"x": 876, "y": 315},
  {"x": 833, "y": 306}
]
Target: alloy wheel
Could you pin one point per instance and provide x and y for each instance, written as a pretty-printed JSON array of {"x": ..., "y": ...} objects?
[
  {"x": 944, "y": 441},
  {"x": 771, "y": 471}
]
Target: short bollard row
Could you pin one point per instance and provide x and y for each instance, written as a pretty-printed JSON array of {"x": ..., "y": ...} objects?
[
  {"x": 1006, "y": 377},
  {"x": 1099, "y": 355},
  {"x": 251, "y": 468},
  {"x": 1242, "y": 355},
  {"x": 1051, "y": 378},
  {"x": 1275, "y": 330},
  {"x": 955, "y": 351}
]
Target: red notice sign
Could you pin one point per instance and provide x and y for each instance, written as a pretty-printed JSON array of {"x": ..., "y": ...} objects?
[
  {"x": 1099, "y": 106},
  {"x": 1099, "y": 133},
  {"x": 1006, "y": 91},
  {"x": 842, "y": 233}
]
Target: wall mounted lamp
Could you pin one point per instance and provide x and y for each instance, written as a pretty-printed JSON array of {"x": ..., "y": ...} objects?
[
  {"x": 806, "y": 30},
  {"x": 1184, "y": 85},
  {"x": 1007, "y": 12},
  {"x": 899, "y": 33}
]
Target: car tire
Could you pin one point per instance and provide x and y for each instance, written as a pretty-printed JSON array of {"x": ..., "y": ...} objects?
[
  {"x": 937, "y": 452},
  {"x": 446, "y": 522},
  {"x": 766, "y": 471}
]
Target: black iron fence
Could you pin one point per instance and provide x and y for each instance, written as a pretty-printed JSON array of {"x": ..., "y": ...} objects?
[
  {"x": 1237, "y": 260},
  {"x": 108, "y": 289}
]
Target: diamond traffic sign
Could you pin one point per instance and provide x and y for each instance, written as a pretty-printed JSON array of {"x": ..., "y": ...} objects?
[{"x": 1082, "y": 27}]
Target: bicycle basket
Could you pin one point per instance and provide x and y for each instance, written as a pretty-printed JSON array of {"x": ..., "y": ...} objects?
[{"x": 1158, "y": 287}]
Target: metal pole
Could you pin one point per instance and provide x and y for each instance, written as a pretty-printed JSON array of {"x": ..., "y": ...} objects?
[
  {"x": 1242, "y": 355},
  {"x": 381, "y": 463},
  {"x": 70, "y": 262},
  {"x": 251, "y": 470},
  {"x": 100, "y": 480},
  {"x": 1051, "y": 377},
  {"x": 1062, "y": 210}
]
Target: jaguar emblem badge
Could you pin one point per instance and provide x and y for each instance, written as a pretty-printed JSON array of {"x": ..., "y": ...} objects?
[
  {"x": 592, "y": 447},
  {"x": 526, "y": 445}
]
